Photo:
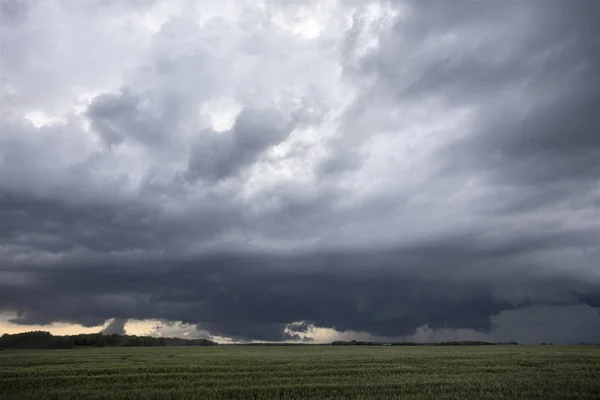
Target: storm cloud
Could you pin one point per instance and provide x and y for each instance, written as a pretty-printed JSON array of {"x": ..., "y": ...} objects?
[{"x": 398, "y": 169}]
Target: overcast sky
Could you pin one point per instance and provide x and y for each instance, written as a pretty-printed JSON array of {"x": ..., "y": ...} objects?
[{"x": 301, "y": 170}]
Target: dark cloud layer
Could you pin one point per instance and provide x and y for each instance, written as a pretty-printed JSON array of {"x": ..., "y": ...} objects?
[
  {"x": 414, "y": 164},
  {"x": 250, "y": 296}
]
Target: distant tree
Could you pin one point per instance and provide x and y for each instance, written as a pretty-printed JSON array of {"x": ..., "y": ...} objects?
[{"x": 45, "y": 340}]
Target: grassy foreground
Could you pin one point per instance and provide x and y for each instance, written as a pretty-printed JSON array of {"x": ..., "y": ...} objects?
[{"x": 479, "y": 372}]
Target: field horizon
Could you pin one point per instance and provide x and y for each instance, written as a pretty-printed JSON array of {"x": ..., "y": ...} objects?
[{"x": 328, "y": 372}]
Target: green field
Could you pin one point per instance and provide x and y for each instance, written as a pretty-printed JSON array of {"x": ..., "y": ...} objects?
[{"x": 507, "y": 372}]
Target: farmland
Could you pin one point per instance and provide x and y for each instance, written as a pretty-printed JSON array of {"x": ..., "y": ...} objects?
[{"x": 492, "y": 372}]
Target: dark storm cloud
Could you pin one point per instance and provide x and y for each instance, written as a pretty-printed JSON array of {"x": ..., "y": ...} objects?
[
  {"x": 547, "y": 53},
  {"x": 56, "y": 226},
  {"x": 62, "y": 225},
  {"x": 550, "y": 154},
  {"x": 252, "y": 296},
  {"x": 313, "y": 208}
]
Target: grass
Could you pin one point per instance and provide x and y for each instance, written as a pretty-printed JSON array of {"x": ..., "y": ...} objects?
[{"x": 479, "y": 372}]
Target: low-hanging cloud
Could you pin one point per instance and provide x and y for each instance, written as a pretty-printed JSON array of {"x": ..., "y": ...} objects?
[{"x": 116, "y": 326}]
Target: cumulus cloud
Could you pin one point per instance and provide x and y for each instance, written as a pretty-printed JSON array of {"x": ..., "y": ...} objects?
[{"x": 296, "y": 171}]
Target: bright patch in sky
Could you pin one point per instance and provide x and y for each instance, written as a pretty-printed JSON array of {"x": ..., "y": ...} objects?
[
  {"x": 39, "y": 118},
  {"x": 222, "y": 112}
]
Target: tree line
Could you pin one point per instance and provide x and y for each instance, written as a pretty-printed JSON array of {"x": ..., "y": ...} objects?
[
  {"x": 45, "y": 340},
  {"x": 367, "y": 343},
  {"x": 451, "y": 343}
]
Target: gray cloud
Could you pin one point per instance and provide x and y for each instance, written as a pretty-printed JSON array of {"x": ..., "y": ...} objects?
[
  {"x": 13, "y": 11},
  {"x": 117, "y": 326},
  {"x": 251, "y": 296},
  {"x": 534, "y": 85},
  {"x": 115, "y": 117},
  {"x": 427, "y": 168},
  {"x": 219, "y": 155}
]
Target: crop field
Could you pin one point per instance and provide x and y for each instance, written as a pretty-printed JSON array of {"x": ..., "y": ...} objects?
[{"x": 327, "y": 372}]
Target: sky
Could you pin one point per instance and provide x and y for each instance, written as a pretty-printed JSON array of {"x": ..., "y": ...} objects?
[{"x": 301, "y": 170}]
